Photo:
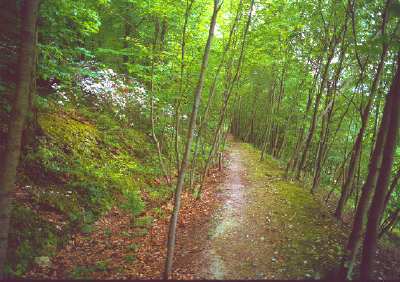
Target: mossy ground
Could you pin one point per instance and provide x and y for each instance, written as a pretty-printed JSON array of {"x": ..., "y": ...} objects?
[{"x": 80, "y": 165}]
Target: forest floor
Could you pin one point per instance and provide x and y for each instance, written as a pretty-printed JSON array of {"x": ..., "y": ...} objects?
[{"x": 250, "y": 223}]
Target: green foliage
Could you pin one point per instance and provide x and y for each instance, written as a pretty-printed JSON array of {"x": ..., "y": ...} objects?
[
  {"x": 82, "y": 272},
  {"x": 86, "y": 159},
  {"x": 161, "y": 194},
  {"x": 31, "y": 236},
  {"x": 133, "y": 247},
  {"x": 133, "y": 202},
  {"x": 141, "y": 232},
  {"x": 87, "y": 229},
  {"x": 101, "y": 266},
  {"x": 70, "y": 152},
  {"x": 78, "y": 168},
  {"x": 144, "y": 221},
  {"x": 129, "y": 258},
  {"x": 159, "y": 212}
]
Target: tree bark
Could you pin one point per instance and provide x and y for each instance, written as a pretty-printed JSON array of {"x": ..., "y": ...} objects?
[
  {"x": 311, "y": 129},
  {"x": 393, "y": 186},
  {"x": 227, "y": 95},
  {"x": 390, "y": 222},
  {"x": 364, "y": 122},
  {"x": 329, "y": 106},
  {"x": 377, "y": 205},
  {"x": 189, "y": 4},
  {"x": 29, "y": 13},
  {"x": 185, "y": 160},
  {"x": 153, "y": 132},
  {"x": 204, "y": 118},
  {"x": 354, "y": 242}
]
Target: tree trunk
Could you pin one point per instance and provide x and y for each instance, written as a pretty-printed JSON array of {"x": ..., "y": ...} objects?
[
  {"x": 228, "y": 92},
  {"x": 357, "y": 144},
  {"x": 390, "y": 222},
  {"x": 153, "y": 132},
  {"x": 212, "y": 91},
  {"x": 377, "y": 205},
  {"x": 185, "y": 160},
  {"x": 329, "y": 106},
  {"x": 189, "y": 4},
  {"x": 268, "y": 127},
  {"x": 292, "y": 163},
  {"x": 353, "y": 244},
  {"x": 316, "y": 106},
  {"x": 393, "y": 186},
  {"x": 29, "y": 11}
]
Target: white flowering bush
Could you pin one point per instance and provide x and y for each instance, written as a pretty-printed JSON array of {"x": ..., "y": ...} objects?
[{"x": 105, "y": 88}]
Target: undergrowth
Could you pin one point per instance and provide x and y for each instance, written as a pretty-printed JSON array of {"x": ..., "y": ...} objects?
[{"x": 80, "y": 164}]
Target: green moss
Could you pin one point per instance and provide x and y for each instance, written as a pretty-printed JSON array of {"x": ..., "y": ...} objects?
[
  {"x": 81, "y": 165},
  {"x": 80, "y": 138}
]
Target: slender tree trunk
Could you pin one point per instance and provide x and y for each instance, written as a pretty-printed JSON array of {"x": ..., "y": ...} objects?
[
  {"x": 329, "y": 106},
  {"x": 315, "y": 112},
  {"x": 354, "y": 242},
  {"x": 204, "y": 118},
  {"x": 189, "y": 4},
  {"x": 185, "y": 160},
  {"x": 364, "y": 122},
  {"x": 377, "y": 205},
  {"x": 393, "y": 186},
  {"x": 292, "y": 163},
  {"x": 268, "y": 122},
  {"x": 227, "y": 95},
  {"x": 127, "y": 31},
  {"x": 29, "y": 12},
  {"x": 389, "y": 223},
  {"x": 153, "y": 132}
]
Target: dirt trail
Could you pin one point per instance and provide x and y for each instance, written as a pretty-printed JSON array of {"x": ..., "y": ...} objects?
[
  {"x": 227, "y": 220},
  {"x": 268, "y": 227},
  {"x": 259, "y": 232},
  {"x": 238, "y": 246}
]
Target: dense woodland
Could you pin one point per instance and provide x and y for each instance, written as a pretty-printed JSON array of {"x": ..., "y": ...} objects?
[{"x": 130, "y": 103}]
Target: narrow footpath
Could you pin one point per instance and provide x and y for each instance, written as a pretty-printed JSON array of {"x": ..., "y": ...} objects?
[{"x": 267, "y": 228}]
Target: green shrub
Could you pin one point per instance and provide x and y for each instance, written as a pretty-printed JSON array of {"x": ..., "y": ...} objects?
[
  {"x": 134, "y": 202},
  {"x": 159, "y": 212},
  {"x": 87, "y": 229}
]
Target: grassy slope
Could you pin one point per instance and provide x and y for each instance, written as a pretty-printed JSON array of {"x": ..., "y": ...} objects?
[{"x": 81, "y": 164}]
